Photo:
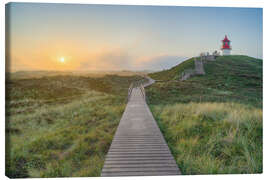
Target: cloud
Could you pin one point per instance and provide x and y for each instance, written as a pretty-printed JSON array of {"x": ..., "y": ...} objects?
[
  {"x": 104, "y": 60},
  {"x": 118, "y": 59},
  {"x": 159, "y": 62},
  {"x": 107, "y": 60},
  {"x": 15, "y": 63}
]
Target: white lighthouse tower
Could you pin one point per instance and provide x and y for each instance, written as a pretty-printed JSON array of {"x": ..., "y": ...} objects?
[{"x": 226, "y": 46}]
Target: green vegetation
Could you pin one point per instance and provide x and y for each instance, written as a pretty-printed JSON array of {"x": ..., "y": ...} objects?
[
  {"x": 228, "y": 79},
  {"x": 212, "y": 138},
  {"x": 92, "y": 74},
  {"x": 212, "y": 123},
  {"x": 61, "y": 126},
  {"x": 173, "y": 73}
]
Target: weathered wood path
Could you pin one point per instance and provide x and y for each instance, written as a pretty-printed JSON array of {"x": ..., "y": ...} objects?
[{"x": 138, "y": 147}]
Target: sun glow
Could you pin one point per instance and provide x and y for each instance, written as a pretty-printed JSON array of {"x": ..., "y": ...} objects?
[{"x": 62, "y": 59}]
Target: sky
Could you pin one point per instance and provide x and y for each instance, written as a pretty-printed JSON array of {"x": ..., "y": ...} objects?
[{"x": 79, "y": 37}]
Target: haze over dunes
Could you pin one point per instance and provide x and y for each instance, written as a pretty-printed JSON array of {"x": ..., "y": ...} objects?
[{"x": 104, "y": 37}]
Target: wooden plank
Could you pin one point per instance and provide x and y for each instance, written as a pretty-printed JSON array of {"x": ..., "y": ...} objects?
[
  {"x": 149, "y": 173},
  {"x": 138, "y": 147}
]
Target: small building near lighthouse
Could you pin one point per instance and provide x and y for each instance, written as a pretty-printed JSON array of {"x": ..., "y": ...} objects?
[{"x": 226, "y": 46}]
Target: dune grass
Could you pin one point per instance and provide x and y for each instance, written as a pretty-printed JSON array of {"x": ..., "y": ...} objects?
[
  {"x": 228, "y": 79},
  {"x": 173, "y": 73},
  {"x": 224, "y": 65},
  {"x": 213, "y": 138},
  {"x": 212, "y": 123},
  {"x": 62, "y": 126}
]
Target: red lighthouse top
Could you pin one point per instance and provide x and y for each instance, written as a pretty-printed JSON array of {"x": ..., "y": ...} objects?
[{"x": 226, "y": 43}]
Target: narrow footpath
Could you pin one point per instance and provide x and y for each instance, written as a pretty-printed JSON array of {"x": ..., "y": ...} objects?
[{"x": 138, "y": 147}]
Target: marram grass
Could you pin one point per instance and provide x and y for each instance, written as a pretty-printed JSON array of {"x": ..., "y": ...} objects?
[
  {"x": 64, "y": 140},
  {"x": 212, "y": 138},
  {"x": 62, "y": 126}
]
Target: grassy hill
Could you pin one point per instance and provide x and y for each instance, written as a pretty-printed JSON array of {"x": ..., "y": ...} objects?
[
  {"x": 63, "y": 125},
  {"x": 212, "y": 123},
  {"x": 173, "y": 73},
  {"x": 229, "y": 78}
]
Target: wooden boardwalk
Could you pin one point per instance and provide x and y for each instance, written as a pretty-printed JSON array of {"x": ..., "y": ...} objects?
[{"x": 138, "y": 147}]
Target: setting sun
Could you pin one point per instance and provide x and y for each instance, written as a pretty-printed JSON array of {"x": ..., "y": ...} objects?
[{"x": 62, "y": 59}]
